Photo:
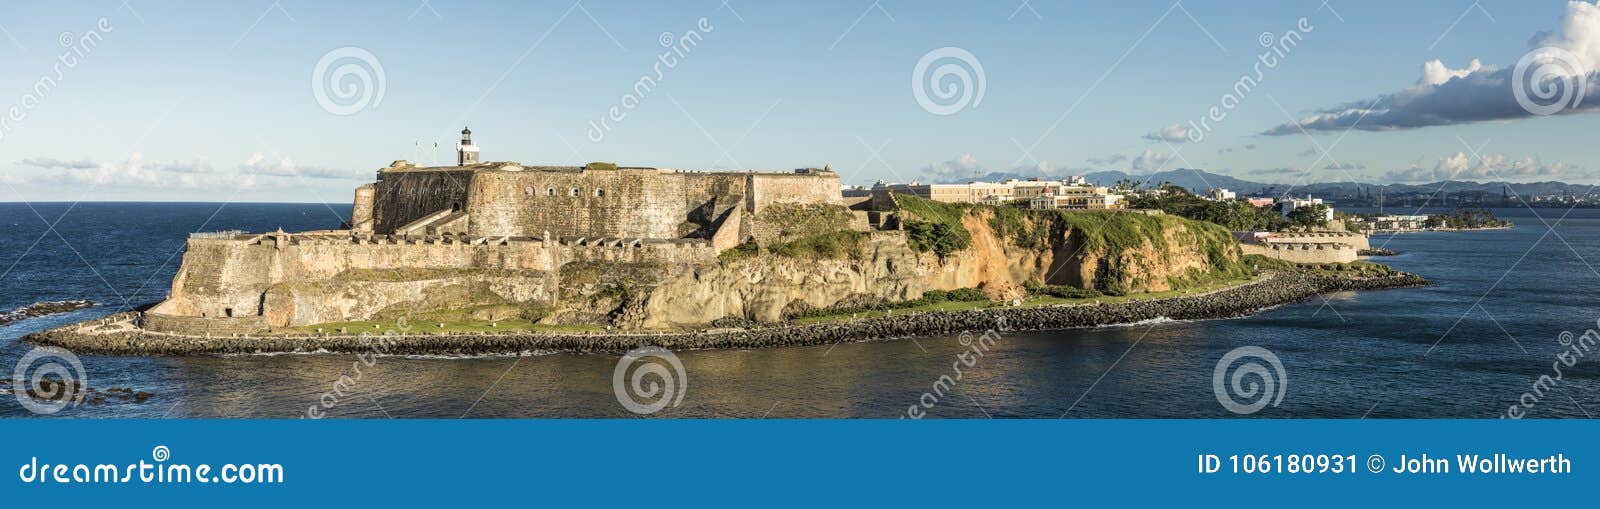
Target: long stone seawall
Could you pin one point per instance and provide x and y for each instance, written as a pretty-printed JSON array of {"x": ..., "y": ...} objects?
[{"x": 1241, "y": 300}]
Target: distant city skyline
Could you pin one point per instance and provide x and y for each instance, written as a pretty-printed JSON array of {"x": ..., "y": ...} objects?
[{"x": 302, "y": 101}]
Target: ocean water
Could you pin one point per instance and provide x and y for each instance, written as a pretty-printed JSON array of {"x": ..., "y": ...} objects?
[{"x": 1469, "y": 346}]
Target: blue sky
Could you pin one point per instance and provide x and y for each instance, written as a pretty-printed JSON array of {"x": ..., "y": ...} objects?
[{"x": 214, "y": 101}]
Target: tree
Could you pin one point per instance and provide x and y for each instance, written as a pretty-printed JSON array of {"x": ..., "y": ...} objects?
[{"x": 1309, "y": 216}]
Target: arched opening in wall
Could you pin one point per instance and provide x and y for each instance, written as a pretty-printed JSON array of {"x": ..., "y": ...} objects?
[
  {"x": 455, "y": 207},
  {"x": 228, "y": 311},
  {"x": 551, "y": 191},
  {"x": 574, "y": 191},
  {"x": 600, "y": 193}
]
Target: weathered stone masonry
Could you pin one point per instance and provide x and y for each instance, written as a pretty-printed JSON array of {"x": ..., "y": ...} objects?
[{"x": 481, "y": 234}]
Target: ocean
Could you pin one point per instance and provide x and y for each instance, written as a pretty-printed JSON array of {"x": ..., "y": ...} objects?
[{"x": 1472, "y": 345}]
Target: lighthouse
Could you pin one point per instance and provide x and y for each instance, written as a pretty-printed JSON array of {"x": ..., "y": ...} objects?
[{"x": 466, "y": 152}]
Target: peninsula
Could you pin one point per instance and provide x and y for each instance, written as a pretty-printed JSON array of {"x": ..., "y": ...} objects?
[{"x": 496, "y": 257}]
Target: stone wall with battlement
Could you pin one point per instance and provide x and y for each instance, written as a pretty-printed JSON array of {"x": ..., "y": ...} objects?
[
  {"x": 282, "y": 280},
  {"x": 1358, "y": 240},
  {"x": 510, "y": 200},
  {"x": 1303, "y": 252}
]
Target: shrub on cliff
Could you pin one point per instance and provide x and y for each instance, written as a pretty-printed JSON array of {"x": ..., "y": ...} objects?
[
  {"x": 938, "y": 228},
  {"x": 942, "y": 239},
  {"x": 828, "y": 245},
  {"x": 741, "y": 251}
]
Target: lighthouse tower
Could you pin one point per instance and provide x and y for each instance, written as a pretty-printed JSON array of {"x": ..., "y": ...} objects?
[{"x": 466, "y": 152}]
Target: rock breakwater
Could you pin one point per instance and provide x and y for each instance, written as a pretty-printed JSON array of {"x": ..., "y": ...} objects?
[
  {"x": 119, "y": 335},
  {"x": 38, "y": 309}
]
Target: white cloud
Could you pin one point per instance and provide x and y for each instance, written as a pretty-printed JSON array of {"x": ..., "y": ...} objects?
[
  {"x": 1461, "y": 166},
  {"x": 1107, "y": 160},
  {"x": 57, "y": 164},
  {"x": 137, "y": 173},
  {"x": 1476, "y": 93},
  {"x": 963, "y": 166},
  {"x": 1175, "y": 133},
  {"x": 1435, "y": 73},
  {"x": 1345, "y": 166},
  {"x": 1150, "y": 161}
]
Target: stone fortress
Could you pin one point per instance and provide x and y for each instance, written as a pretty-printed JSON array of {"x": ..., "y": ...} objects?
[
  {"x": 490, "y": 237},
  {"x": 633, "y": 248}
]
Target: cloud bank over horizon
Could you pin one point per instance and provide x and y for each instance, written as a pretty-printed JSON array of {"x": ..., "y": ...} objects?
[{"x": 1562, "y": 72}]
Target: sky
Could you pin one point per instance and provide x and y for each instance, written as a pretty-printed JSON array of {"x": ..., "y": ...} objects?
[{"x": 302, "y": 101}]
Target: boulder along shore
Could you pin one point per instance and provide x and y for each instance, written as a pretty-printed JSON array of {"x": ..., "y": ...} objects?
[{"x": 117, "y": 334}]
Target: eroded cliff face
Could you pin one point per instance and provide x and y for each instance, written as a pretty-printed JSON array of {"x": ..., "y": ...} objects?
[
  {"x": 1072, "y": 254},
  {"x": 765, "y": 288}
]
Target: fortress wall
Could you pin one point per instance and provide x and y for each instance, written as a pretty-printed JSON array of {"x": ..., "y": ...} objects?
[
  {"x": 696, "y": 251},
  {"x": 222, "y": 274},
  {"x": 619, "y": 203},
  {"x": 405, "y": 196},
  {"x": 606, "y": 203},
  {"x": 793, "y": 188},
  {"x": 1358, "y": 240},
  {"x": 1305, "y": 252},
  {"x": 699, "y": 188}
]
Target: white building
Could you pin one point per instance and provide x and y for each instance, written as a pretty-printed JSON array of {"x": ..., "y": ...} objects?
[
  {"x": 1071, "y": 193},
  {"x": 1221, "y": 195},
  {"x": 1287, "y": 206}
]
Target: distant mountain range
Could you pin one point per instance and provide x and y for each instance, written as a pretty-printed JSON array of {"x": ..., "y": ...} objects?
[{"x": 1199, "y": 181}]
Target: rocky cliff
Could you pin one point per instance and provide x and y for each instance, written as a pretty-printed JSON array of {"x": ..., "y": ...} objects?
[
  {"x": 1004, "y": 252},
  {"x": 816, "y": 258}
]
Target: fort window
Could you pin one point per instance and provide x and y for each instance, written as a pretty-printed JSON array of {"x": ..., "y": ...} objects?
[
  {"x": 600, "y": 193},
  {"x": 455, "y": 207},
  {"x": 551, "y": 191},
  {"x": 228, "y": 311},
  {"x": 574, "y": 191}
]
